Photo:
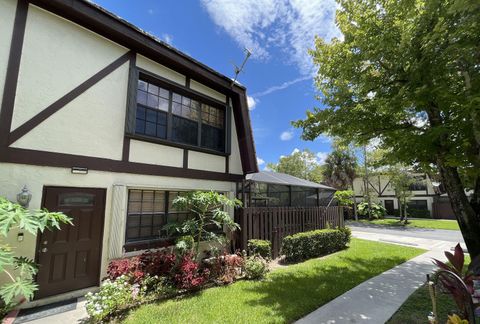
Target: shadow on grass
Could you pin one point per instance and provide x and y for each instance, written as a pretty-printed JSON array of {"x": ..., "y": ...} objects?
[
  {"x": 287, "y": 293},
  {"x": 293, "y": 294}
]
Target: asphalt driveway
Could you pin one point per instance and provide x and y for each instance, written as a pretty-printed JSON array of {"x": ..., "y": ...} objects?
[{"x": 426, "y": 233}]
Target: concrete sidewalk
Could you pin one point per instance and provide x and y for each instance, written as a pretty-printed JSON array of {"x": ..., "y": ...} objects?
[{"x": 377, "y": 299}]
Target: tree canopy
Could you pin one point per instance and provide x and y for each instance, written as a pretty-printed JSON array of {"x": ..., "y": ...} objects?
[
  {"x": 340, "y": 169},
  {"x": 407, "y": 74},
  {"x": 300, "y": 164}
]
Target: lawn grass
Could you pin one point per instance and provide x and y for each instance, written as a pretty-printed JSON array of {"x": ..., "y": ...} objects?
[
  {"x": 419, "y": 305},
  {"x": 419, "y": 223},
  {"x": 286, "y": 295}
]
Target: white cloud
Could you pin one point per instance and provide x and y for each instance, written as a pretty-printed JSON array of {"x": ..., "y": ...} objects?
[
  {"x": 150, "y": 11},
  {"x": 260, "y": 161},
  {"x": 321, "y": 156},
  {"x": 167, "y": 38},
  {"x": 295, "y": 150},
  {"x": 282, "y": 86},
  {"x": 252, "y": 102},
  {"x": 288, "y": 25},
  {"x": 286, "y": 135}
]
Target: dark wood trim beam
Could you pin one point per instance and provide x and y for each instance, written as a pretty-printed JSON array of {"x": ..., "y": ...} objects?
[
  {"x": 185, "y": 159},
  {"x": 385, "y": 187},
  {"x": 126, "y": 149},
  {"x": 131, "y": 103},
  {"x": 63, "y": 101},
  {"x": 227, "y": 164},
  {"x": 13, "y": 67},
  {"x": 41, "y": 158}
]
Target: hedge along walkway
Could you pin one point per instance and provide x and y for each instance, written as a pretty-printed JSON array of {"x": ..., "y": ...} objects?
[{"x": 286, "y": 295}]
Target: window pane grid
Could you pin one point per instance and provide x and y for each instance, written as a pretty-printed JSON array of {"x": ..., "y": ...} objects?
[
  {"x": 152, "y": 116},
  {"x": 147, "y": 214}
]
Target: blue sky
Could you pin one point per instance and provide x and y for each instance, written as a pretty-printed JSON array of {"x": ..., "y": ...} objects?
[{"x": 278, "y": 76}]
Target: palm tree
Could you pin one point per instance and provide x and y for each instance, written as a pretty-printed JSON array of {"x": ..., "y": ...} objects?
[{"x": 339, "y": 170}]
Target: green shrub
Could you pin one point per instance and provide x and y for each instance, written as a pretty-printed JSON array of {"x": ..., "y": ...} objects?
[
  {"x": 307, "y": 245},
  {"x": 378, "y": 211},
  {"x": 418, "y": 213},
  {"x": 415, "y": 213},
  {"x": 256, "y": 267},
  {"x": 261, "y": 247}
]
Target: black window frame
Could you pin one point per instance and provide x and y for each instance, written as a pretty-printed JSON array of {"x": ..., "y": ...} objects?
[
  {"x": 187, "y": 92},
  {"x": 154, "y": 241},
  {"x": 165, "y": 213}
]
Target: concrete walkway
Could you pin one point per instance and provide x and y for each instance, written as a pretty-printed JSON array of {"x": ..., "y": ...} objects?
[{"x": 377, "y": 299}]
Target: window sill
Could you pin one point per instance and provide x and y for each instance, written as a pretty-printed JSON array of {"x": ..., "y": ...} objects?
[
  {"x": 141, "y": 246},
  {"x": 170, "y": 143}
]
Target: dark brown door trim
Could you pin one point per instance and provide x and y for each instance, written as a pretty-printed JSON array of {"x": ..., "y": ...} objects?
[{"x": 100, "y": 199}]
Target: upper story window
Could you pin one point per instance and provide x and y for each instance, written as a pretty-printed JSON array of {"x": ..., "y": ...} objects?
[{"x": 165, "y": 114}]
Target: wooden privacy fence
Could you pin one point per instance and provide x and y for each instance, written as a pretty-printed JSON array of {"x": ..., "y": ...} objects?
[{"x": 274, "y": 223}]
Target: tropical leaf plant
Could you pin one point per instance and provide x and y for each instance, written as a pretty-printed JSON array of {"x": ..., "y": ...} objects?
[
  {"x": 208, "y": 212},
  {"x": 20, "y": 269}
]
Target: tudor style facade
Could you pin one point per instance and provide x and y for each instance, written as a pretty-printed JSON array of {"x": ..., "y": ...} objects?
[
  {"x": 423, "y": 193},
  {"x": 106, "y": 123}
]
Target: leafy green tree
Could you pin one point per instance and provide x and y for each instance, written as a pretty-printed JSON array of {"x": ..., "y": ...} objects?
[
  {"x": 406, "y": 73},
  {"x": 401, "y": 180},
  {"x": 18, "y": 269},
  {"x": 300, "y": 164},
  {"x": 208, "y": 211}
]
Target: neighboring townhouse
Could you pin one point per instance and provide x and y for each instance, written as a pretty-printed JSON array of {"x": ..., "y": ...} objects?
[
  {"x": 424, "y": 193},
  {"x": 108, "y": 124}
]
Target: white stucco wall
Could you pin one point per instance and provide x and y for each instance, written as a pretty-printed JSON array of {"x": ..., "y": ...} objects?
[
  {"x": 204, "y": 161},
  {"x": 14, "y": 176},
  {"x": 161, "y": 70},
  {"x": 197, "y": 86},
  {"x": 7, "y": 17},
  {"x": 90, "y": 125},
  {"x": 57, "y": 56},
  {"x": 145, "y": 152}
]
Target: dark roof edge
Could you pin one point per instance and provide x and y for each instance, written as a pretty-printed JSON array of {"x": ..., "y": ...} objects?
[
  {"x": 118, "y": 30},
  {"x": 158, "y": 40}
]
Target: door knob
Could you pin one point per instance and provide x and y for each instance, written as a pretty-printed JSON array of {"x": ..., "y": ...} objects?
[{"x": 44, "y": 250}]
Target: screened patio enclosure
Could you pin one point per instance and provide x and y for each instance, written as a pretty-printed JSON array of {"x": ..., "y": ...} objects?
[{"x": 273, "y": 189}]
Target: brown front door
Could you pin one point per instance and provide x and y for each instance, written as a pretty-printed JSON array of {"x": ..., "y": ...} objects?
[
  {"x": 389, "y": 207},
  {"x": 69, "y": 259}
]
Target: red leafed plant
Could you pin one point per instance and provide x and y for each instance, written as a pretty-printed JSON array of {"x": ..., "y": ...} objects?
[
  {"x": 157, "y": 263},
  {"x": 225, "y": 268},
  {"x": 457, "y": 262},
  {"x": 189, "y": 275},
  {"x": 127, "y": 266}
]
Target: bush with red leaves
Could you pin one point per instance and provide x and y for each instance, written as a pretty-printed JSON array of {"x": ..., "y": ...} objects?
[
  {"x": 226, "y": 268},
  {"x": 188, "y": 274},
  {"x": 128, "y": 267},
  {"x": 157, "y": 263}
]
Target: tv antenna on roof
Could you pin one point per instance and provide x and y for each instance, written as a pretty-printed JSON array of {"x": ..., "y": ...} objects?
[{"x": 240, "y": 69}]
